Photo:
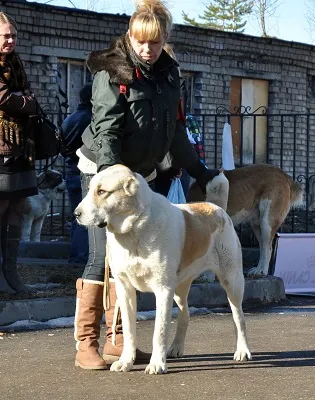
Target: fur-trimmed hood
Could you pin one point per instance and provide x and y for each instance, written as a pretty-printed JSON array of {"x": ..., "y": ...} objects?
[{"x": 117, "y": 61}]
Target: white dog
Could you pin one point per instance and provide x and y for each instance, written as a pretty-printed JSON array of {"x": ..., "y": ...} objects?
[
  {"x": 50, "y": 185},
  {"x": 155, "y": 246},
  {"x": 260, "y": 194}
]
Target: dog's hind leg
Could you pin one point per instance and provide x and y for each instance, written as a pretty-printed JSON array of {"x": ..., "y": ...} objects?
[
  {"x": 127, "y": 299},
  {"x": 230, "y": 274},
  {"x": 234, "y": 287},
  {"x": 37, "y": 229},
  {"x": 26, "y": 228},
  {"x": 181, "y": 299},
  {"x": 164, "y": 300}
]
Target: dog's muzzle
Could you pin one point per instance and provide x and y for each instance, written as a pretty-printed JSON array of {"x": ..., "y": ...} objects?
[{"x": 78, "y": 214}]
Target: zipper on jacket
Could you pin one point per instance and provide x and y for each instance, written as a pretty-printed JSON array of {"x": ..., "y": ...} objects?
[
  {"x": 154, "y": 119},
  {"x": 158, "y": 89},
  {"x": 168, "y": 119},
  {"x": 155, "y": 85}
]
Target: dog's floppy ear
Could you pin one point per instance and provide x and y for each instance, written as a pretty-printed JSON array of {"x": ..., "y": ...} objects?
[
  {"x": 40, "y": 177},
  {"x": 131, "y": 186}
]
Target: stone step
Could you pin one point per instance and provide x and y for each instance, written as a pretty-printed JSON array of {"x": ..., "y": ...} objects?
[
  {"x": 55, "y": 252},
  {"x": 257, "y": 292}
]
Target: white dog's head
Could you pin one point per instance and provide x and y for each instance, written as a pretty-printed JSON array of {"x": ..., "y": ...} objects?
[{"x": 116, "y": 199}]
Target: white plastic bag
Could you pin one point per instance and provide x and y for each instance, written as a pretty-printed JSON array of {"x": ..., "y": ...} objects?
[
  {"x": 227, "y": 148},
  {"x": 176, "y": 193}
]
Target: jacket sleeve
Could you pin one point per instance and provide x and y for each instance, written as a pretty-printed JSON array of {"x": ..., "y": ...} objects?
[
  {"x": 184, "y": 154},
  {"x": 107, "y": 125},
  {"x": 15, "y": 105}
]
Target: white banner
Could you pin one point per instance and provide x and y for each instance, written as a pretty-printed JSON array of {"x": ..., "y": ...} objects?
[{"x": 295, "y": 262}]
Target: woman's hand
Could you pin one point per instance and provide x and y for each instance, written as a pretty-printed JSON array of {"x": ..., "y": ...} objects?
[{"x": 179, "y": 174}]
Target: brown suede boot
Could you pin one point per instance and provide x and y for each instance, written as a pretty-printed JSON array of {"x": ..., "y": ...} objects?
[
  {"x": 114, "y": 334},
  {"x": 87, "y": 324}
]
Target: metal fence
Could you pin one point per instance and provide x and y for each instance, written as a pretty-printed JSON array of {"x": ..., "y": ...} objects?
[
  {"x": 286, "y": 140},
  {"x": 283, "y": 139}
]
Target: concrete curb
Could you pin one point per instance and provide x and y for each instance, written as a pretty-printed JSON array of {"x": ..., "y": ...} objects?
[
  {"x": 269, "y": 289},
  {"x": 36, "y": 309},
  {"x": 257, "y": 291}
]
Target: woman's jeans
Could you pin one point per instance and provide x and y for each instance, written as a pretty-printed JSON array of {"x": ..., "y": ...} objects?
[
  {"x": 79, "y": 249},
  {"x": 95, "y": 267}
]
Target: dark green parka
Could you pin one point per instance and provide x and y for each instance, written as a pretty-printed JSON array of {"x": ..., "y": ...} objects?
[{"x": 135, "y": 113}]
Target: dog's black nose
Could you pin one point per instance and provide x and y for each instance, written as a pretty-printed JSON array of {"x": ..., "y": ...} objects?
[{"x": 77, "y": 213}]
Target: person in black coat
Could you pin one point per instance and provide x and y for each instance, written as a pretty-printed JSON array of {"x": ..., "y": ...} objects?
[
  {"x": 71, "y": 132},
  {"x": 17, "y": 153}
]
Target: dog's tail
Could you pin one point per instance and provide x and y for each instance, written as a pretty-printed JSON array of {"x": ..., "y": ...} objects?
[
  {"x": 218, "y": 191},
  {"x": 297, "y": 192}
]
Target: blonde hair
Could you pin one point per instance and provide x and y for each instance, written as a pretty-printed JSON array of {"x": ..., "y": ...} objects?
[
  {"x": 6, "y": 19},
  {"x": 151, "y": 20},
  {"x": 170, "y": 51}
]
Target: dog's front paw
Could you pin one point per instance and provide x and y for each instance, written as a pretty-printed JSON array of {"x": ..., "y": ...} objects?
[
  {"x": 119, "y": 366},
  {"x": 175, "y": 351},
  {"x": 242, "y": 355},
  {"x": 156, "y": 369}
]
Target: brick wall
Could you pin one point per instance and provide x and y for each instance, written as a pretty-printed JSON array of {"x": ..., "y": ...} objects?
[{"x": 48, "y": 32}]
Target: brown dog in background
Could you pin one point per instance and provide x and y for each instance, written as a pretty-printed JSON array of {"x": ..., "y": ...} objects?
[{"x": 260, "y": 194}]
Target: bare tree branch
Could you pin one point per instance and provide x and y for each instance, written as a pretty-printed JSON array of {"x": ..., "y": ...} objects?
[
  {"x": 91, "y": 4},
  {"x": 310, "y": 16},
  {"x": 264, "y": 9}
]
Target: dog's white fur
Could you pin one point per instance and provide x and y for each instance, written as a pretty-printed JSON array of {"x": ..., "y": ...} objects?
[
  {"x": 260, "y": 194},
  {"x": 155, "y": 246},
  {"x": 35, "y": 208}
]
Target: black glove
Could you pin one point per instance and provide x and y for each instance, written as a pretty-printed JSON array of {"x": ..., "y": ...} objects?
[
  {"x": 169, "y": 174},
  {"x": 207, "y": 176}
]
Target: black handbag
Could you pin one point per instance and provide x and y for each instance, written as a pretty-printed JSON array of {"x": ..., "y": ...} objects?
[{"x": 46, "y": 136}]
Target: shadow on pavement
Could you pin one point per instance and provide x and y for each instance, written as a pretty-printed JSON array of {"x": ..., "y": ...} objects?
[{"x": 303, "y": 358}]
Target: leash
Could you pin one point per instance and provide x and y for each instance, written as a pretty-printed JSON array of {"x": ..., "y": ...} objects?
[{"x": 106, "y": 294}]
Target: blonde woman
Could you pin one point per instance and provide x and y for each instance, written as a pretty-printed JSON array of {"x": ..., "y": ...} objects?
[{"x": 137, "y": 120}]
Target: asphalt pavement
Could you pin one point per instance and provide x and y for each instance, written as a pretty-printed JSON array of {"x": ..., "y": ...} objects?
[{"x": 39, "y": 365}]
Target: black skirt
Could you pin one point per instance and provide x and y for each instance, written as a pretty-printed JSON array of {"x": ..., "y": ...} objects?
[{"x": 17, "y": 178}]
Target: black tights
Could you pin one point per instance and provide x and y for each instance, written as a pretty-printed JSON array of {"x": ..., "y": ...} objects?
[{"x": 10, "y": 214}]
